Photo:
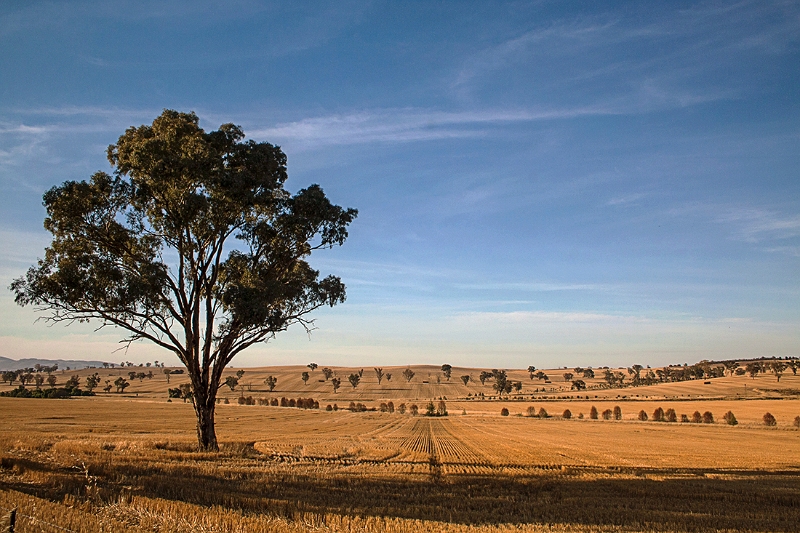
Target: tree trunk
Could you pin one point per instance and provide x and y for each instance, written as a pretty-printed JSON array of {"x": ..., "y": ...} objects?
[{"x": 206, "y": 434}]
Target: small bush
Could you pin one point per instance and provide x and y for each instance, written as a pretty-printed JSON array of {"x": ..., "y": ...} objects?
[
  {"x": 670, "y": 416},
  {"x": 414, "y": 409},
  {"x": 531, "y": 411},
  {"x": 708, "y": 418},
  {"x": 593, "y": 413},
  {"x": 684, "y": 419},
  {"x": 607, "y": 414},
  {"x": 769, "y": 420},
  {"x": 617, "y": 413},
  {"x": 329, "y": 407},
  {"x": 503, "y": 412},
  {"x": 543, "y": 413},
  {"x": 658, "y": 415},
  {"x": 697, "y": 418},
  {"x": 566, "y": 414},
  {"x": 643, "y": 416},
  {"x": 730, "y": 419}
]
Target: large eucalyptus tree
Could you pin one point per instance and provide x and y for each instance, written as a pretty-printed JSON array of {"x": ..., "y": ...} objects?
[{"x": 193, "y": 243}]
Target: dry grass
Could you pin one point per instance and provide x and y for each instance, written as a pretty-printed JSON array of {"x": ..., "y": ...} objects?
[{"x": 96, "y": 464}]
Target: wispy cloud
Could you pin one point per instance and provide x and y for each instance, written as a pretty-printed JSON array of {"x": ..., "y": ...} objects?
[
  {"x": 758, "y": 225},
  {"x": 534, "y": 287},
  {"x": 407, "y": 125}
]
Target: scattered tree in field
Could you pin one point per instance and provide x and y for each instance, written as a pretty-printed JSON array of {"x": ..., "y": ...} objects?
[
  {"x": 769, "y": 420},
  {"x": 9, "y": 377},
  {"x": 390, "y": 406},
  {"x": 567, "y": 414},
  {"x": 186, "y": 392},
  {"x": 568, "y": 376},
  {"x": 92, "y": 382},
  {"x": 617, "y": 413},
  {"x": 503, "y": 412},
  {"x": 501, "y": 383},
  {"x": 658, "y": 415},
  {"x": 793, "y": 366},
  {"x": 140, "y": 376},
  {"x": 167, "y": 373},
  {"x": 232, "y": 382},
  {"x": 312, "y": 366},
  {"x": 239, "y": 374},
  {"x": 181, "y": 192},
  {"x": 593, "y": 413},
  {"x": 543, "y": 413},
  {"x": 414, "y": 409},
  {"x": 383, "y": 408},
  {"x": 379, "y": 374},
  {"x": 52, "y": 380},
  {"x": 327, "y": 372},
  {"x": 304, "y": 376},
  {"x": 447, "y": 370},
  {"x": 354, "y": 379},
  {"x": 270, "y": 382},
  {"x": 697, "y": 418},
  {"x": 430, "y": 410},
  {"x": 361, "y": 373},
  {"x": 730, "y": 418},
  {"x": 465, "y": 379},
  {"x": 588, "y": 373},
  {"x": 121, "y": 384},
  {"x": 607, "y": 414},
  {"x": 642, "y": 415},
  {"x": 401, "y": 408},
  {"x": 531, "y": 370},
  {"x": 730, "y": 366},
  {"x": 108, "y": 386},
  {"x": 388, "y": 376},
  {"x": 796, "y": 422},
  {"x": 38, "y": 380},
  {"x": 336, "y": 382},
  {"x": 408, "y": 374},
  {"x": 517, "y": 386},
  {"x": 531, "y": 411},
  {"x": 670, "y": 415},
  {"x": 578, "y": 384},
  {"x": 753, "y": 369},
  {"x": 484, "y": 376},
  {"x": 685, "y": 419},
  {"x": 708, "y": 418},
  {"x": 777, "y": 368},
  {"x": 441, "y": 408}
]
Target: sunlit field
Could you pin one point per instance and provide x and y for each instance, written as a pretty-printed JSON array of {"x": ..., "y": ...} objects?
[{"x": 126, "y": 462}]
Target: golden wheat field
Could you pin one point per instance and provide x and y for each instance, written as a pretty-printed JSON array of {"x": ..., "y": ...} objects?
[{"x": 126, "y": 462}]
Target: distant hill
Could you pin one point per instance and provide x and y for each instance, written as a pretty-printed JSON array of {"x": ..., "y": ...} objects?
[{"x": 11, "y": 364}]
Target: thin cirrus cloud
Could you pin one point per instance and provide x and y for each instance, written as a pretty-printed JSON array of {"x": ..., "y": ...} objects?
[{"x": 407, "y": 125}]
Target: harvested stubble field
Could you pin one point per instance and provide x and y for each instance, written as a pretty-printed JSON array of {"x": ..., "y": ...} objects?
[{"x": 111, "y": 463}]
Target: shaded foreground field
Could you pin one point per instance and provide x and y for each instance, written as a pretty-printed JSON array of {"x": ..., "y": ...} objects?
[{"x": 103, "y": 465}]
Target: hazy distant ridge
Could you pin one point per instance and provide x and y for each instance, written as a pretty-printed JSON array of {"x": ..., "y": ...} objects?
[{"x": 11, "y": 364}]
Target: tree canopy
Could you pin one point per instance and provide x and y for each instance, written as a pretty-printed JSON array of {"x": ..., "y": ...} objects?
[{"x": 193, "y": 243}]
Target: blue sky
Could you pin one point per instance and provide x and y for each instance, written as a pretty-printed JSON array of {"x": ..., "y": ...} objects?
[{"x": 548, "y": 183}]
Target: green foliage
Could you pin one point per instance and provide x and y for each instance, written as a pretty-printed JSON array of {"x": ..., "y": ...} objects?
[
  {"x": 59, "y": 393},
  {"x": 217, "y": 205}
]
